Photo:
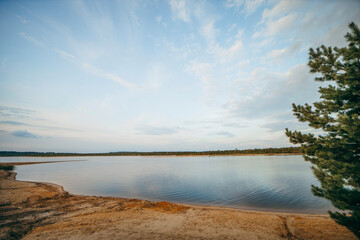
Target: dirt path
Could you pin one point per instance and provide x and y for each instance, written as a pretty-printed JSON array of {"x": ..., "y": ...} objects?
[{"x": 45, "y": 211}]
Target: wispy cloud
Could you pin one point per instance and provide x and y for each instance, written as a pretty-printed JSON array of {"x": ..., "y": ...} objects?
[
  {"x": 24, "y": 134},
  {"x": 282, "y": 8},
  {"x": 15, "y": 112},
  {"x": 135, "y": 18},
  {"x": 21, "y": 19},
  {"x": 203, "y": 71},
  {"x": 224, "y": 133},
  {"x": 149, "y": 130},
  {"x": 64, "y": 54},
  {"x": 158, "y": 19},
  {"x": 279, "y": 26},
  {"x": 279, "y": 55},
  {"x": 111, "y": 76},
  {"x": 98, "y": 18},
  {"x": 224, "y": 54},
  {"x": 35, "y": 121},
  {"x": 265, "y": 93},
  {"x": 202, "y": 122},
  {"x": 31, "y": 39},
  {"x": 227, "y": 54},
  {"x": 180, "y": 10},
  {"x": 277, "y": 126},
  {"x": 234, "y": 125},
  {"x": 247, "y": 6},
  {"x": 208, "y": 31},
  {"x": 86, "y": 66},
  {"x": 13, "y": 123}
]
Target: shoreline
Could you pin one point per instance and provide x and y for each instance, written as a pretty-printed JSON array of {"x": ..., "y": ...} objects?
[
  {"x": 170, "y": 155},
  {"x": 223, "y": 155},
  {"x": 33, "y": 210}
]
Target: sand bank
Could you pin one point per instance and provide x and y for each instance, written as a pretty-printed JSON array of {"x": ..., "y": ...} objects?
[
  {"x": 30, "y": 163},
  {"x": 30, "y": 210}
]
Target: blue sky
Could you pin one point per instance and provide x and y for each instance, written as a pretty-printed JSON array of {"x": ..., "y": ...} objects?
[{"x": 99, "y": 76}]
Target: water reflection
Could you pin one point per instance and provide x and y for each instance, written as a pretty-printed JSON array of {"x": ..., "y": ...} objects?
[{"x": 273, "y": 183}]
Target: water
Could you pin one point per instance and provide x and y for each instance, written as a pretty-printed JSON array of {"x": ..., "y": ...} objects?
[{"x": 267, "y": 183}]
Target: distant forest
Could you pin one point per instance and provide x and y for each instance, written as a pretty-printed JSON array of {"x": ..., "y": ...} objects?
[{"x": 285, "y": 150}]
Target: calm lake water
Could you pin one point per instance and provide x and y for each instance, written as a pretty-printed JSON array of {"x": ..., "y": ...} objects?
[{"x": 267, "y": 183}]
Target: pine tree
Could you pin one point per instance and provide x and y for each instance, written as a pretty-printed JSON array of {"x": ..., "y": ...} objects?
[{"x": 335, "y": 151}]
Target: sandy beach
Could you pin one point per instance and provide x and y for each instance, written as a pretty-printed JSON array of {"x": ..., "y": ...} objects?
[{"x": 30, "y": 210}]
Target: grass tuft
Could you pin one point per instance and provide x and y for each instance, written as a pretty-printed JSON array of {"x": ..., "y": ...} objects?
[{"x": 7, "y": 167}]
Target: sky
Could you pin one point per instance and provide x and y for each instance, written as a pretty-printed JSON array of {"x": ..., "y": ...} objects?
[{"x": 178, "y": 75}]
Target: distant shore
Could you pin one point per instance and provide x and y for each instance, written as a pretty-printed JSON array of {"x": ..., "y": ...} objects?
[
  {"x": 224, "y": 155},
  {"x": 262, "y": 151},
  {"x": 160, "y": 155},
  {"x": 167, "y": 155},
  {"x": 32, "y": 210}
]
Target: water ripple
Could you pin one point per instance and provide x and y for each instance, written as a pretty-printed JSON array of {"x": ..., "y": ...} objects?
[{"x": 257, "y": 182}]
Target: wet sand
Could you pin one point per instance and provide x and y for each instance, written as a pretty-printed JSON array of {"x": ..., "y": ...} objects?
[{"x": 30, "y": 210}]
